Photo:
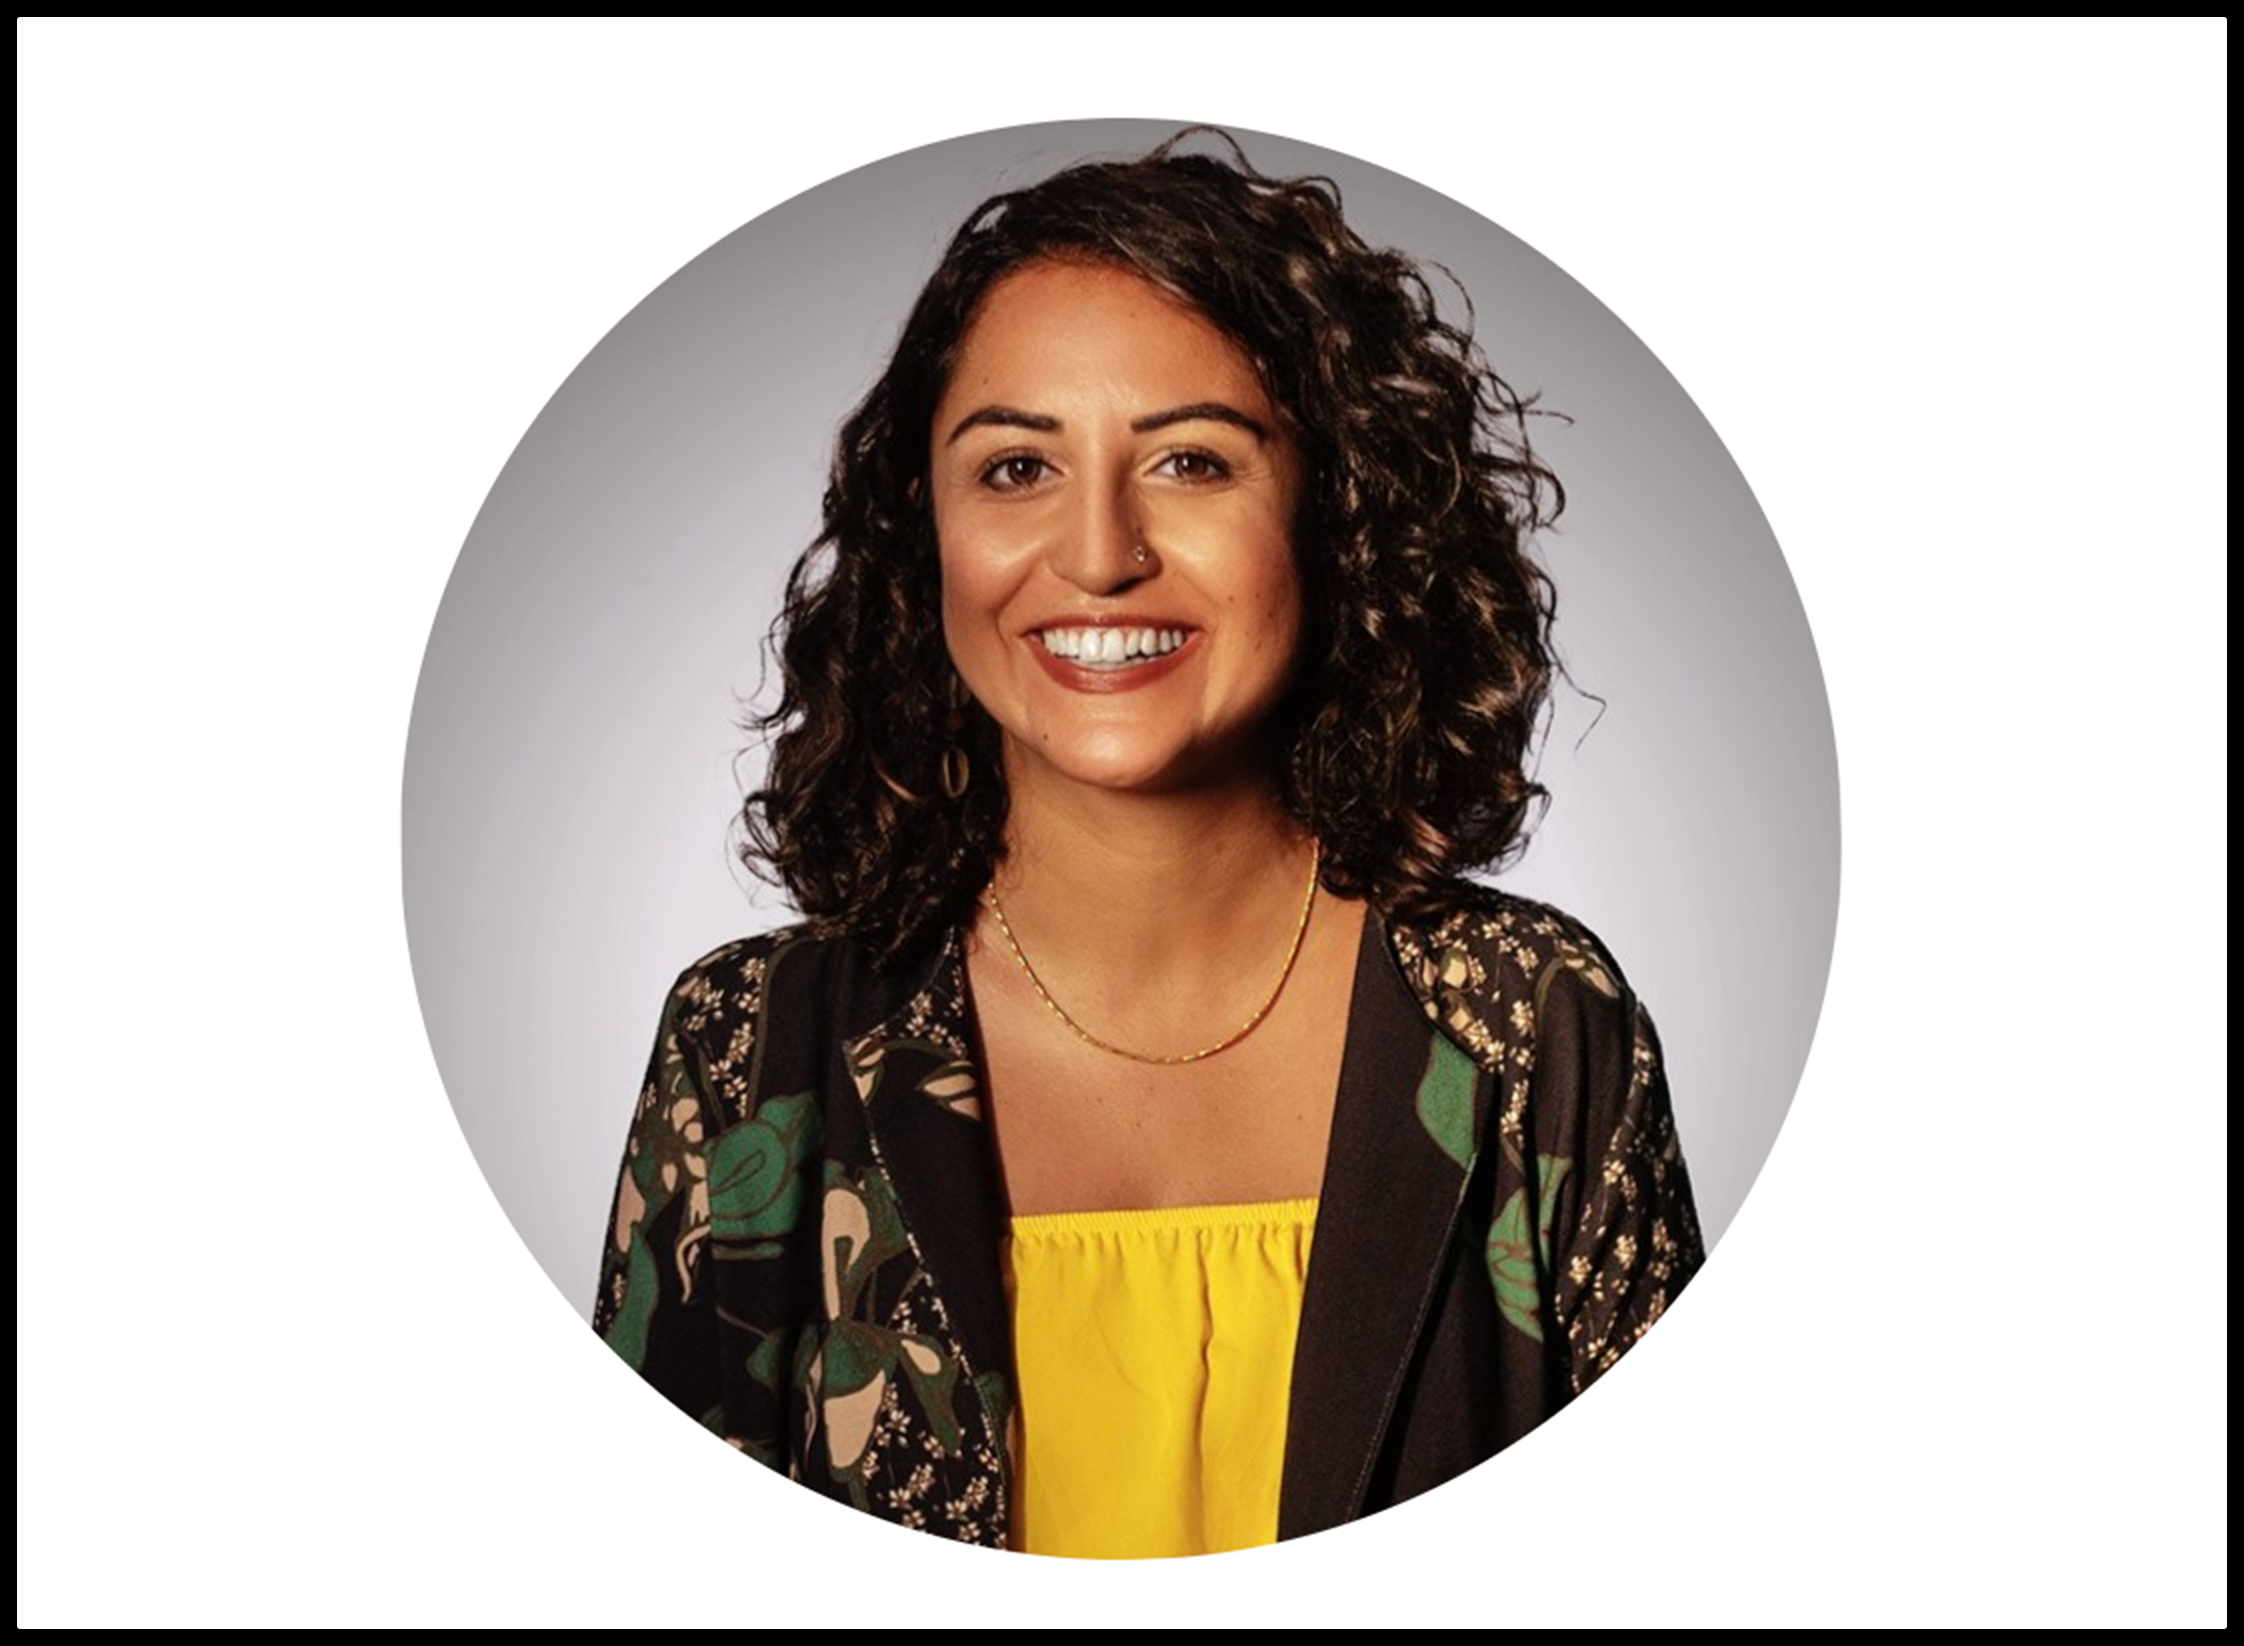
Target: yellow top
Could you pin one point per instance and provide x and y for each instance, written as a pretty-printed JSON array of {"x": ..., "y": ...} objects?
[{"x": 1153, "y": 1352}]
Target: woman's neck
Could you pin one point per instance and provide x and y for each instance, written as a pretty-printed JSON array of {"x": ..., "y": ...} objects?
[{"x": 1149, "y": 905}]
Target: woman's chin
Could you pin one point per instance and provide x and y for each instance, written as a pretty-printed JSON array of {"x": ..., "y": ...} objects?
[
  {"x": 1113, "y": 776},
  {"x": 1126, "y": 767}
]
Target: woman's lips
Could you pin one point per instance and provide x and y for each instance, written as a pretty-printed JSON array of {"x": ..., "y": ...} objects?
[{"x": 1111, "y": 657}]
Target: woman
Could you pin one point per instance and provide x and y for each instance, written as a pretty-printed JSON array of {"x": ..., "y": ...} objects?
[{"x": 1169, "y": 652}]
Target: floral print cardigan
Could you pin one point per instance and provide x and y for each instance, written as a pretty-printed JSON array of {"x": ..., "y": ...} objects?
[{"x": 804, "y": 1248}]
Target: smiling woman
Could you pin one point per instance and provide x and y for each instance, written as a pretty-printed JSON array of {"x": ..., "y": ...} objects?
[
  {"x": 1170, "y": 652},
  {"x": 1114, "y": 497}
]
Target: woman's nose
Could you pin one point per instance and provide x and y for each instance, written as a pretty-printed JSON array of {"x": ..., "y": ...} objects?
[{"x": 1101, "y": 548}]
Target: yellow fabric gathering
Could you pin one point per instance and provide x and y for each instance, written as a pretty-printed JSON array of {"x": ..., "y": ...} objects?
[{"x": 1154, "y": 1358}]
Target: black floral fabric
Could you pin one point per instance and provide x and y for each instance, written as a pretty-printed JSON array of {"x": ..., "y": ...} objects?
[{"x": 803, "y": 1248}]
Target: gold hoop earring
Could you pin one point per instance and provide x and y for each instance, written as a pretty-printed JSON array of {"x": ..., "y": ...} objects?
[{"x": 956, "y": 772}]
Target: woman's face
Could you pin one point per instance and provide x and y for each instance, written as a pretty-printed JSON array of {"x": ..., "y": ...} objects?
[{"x": 1114, "y": 494}]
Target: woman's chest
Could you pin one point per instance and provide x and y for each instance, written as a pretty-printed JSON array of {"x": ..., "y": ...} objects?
[
  {"x": 1076, "y": 1128},
  {"x": 1070, "y": 1138}
]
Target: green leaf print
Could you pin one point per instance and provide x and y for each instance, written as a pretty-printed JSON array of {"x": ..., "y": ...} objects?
[
  {"x": 1511, "y": 1267},
  {"x": 627, "y": 1333},
  {"x": 1518, "y": 1259},
  {"x": 1552, "y": 1170},
  {"x": 1445, "y": 1100},
  {"x": 997, "y": 1400},
  {"x": 756, "y": 1171},
  {"x": 854, "y": 1355},
  {"x": 763, "y": 1361}
]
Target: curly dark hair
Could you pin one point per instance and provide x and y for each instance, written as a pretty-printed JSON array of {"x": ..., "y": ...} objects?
[{"x": 1426, "y": 647}]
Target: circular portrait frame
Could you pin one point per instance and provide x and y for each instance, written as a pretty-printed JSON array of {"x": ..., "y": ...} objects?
[{"x": 577, "y": 756}]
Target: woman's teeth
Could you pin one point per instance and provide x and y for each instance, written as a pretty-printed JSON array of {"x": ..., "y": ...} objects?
[{"x": 1110, "y": 648}]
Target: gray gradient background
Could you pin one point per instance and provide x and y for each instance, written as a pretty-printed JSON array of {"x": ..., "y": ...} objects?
[{"x": 574, "y": 764}]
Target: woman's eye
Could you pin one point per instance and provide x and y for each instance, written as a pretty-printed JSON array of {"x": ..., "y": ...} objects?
[
  {"x": 1014, "y": 471},
  {"x": 1195, "y": 466}
]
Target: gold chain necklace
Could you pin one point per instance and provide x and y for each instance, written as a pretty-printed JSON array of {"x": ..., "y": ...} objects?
[{"x": 1301, "y": 927}]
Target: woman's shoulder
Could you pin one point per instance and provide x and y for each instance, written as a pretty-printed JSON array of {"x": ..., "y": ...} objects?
[
  {"x": 1507, "y": 935},
  {"x": 717, "y": 1001},
  {"x": 1488, "y": 964},
  {"x": 732, "y": 975},
  {"x": 712, "y": 1018},
  {"x": 713, "y": 997},
  {"x": 730, "y": 963}
]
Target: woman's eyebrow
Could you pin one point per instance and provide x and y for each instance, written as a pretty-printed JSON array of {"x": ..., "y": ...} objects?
[
  {"x": 1003, "y": 417},
  {"x": 1200, "y": 411}
]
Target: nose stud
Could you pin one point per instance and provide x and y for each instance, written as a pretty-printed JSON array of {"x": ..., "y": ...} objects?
[{"x": 1141, "y": 554}]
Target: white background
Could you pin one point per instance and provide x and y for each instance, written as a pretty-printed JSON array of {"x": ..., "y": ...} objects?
[{"x": 1954, "y": 294}]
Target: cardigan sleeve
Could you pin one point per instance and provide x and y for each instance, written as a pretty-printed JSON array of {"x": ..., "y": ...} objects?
[
  {"x": 654, "y": 1306},
  {"x": 1625, "y": 1233}
]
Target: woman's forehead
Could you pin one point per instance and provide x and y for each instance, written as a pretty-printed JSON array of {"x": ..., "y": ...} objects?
[{"x": 1076, "y": 329}]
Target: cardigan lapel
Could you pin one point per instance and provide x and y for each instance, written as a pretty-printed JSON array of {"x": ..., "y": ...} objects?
[
  {"x": 1404, "y": 1131},
  {"x": 917, "y": 1075}
]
